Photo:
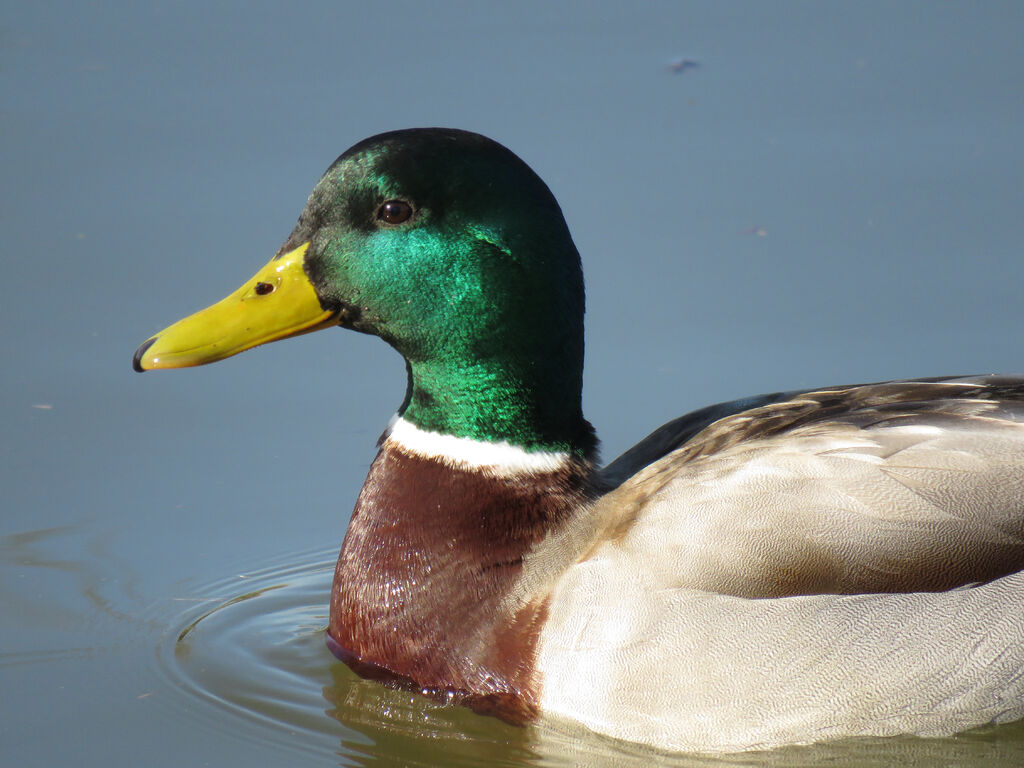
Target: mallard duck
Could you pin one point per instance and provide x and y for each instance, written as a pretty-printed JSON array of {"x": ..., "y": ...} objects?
[{"x": 786, "y": 568}]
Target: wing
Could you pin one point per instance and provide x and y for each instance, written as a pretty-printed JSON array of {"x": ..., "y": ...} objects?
[
  {"x": 670, "y": 436},
  {"x": 897, "y": 487}
]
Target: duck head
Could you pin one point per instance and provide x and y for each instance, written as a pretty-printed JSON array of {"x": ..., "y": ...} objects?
[{"x": 451, "y": 249}]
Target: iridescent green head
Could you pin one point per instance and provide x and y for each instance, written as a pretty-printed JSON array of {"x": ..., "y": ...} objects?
[{"x": 451, "y": 249}]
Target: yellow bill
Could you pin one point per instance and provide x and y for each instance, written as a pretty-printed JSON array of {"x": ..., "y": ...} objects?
[{"x": 278, "y": 302}]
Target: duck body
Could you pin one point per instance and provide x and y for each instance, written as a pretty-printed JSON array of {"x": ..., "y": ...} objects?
[
  {"x": 859, "y": 593},
  {"x": 787, "y": 568}
]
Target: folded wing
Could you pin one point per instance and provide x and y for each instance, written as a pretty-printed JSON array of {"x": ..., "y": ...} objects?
[{"x": 897, "y": 487}]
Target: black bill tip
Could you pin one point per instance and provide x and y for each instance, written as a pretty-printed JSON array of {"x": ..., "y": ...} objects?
[{"x": 137, "y": 360}]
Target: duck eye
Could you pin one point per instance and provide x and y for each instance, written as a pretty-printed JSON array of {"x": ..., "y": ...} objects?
[
  {"x": 394, "y": 212},
  {"x": 262, "y": 289}
]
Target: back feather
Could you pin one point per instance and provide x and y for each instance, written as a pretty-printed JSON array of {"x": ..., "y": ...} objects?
[{"x": 896, "y": 487}]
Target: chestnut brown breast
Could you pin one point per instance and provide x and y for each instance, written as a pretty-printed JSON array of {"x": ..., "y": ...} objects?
[{"x": 430, "y": 554}]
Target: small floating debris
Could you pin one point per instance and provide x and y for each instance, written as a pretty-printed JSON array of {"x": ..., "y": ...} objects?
[
  {"x": 43, "y": 406},
  {"x": 680, "y": 66}
]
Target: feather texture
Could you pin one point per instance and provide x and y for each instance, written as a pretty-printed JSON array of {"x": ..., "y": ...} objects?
[{"x": 830, "y": 563}]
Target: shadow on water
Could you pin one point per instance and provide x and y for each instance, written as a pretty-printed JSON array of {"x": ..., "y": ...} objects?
[{"x": 247, "y": 655}]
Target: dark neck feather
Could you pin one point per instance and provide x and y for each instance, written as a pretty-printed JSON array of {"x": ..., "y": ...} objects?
[{"x": 430, "y": 555}]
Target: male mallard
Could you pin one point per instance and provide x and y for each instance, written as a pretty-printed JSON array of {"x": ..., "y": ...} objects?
[{"x": 785, "y": 568}]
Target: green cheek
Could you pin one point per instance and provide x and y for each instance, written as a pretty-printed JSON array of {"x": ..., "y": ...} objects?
[{"x": 401, "y": 271}]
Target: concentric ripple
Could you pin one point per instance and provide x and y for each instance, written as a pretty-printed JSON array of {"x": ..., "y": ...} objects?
[{"x": 248, "y": 653}]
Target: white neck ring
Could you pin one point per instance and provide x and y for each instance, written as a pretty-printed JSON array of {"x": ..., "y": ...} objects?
[{"x": 501, "y": 458}]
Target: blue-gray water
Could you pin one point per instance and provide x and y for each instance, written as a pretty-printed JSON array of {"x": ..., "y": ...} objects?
[{"x": 832, "y": 195}]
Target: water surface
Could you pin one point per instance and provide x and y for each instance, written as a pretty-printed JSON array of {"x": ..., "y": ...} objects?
[{"x": 831, "y": 195}]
